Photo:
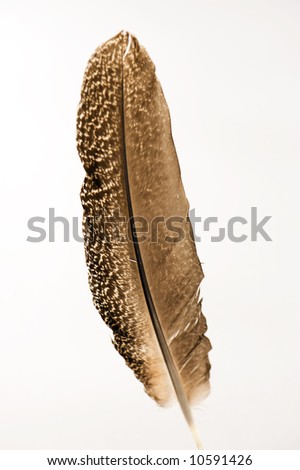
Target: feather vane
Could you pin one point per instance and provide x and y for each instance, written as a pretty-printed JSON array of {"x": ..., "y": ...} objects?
[{"x": 146, "y": 289}]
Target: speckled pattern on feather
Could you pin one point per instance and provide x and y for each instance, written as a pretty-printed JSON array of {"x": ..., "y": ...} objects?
[{"x": 122, "y": 109}]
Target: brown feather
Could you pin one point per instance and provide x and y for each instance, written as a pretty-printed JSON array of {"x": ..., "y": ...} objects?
[{"x": 146, "y": 291}]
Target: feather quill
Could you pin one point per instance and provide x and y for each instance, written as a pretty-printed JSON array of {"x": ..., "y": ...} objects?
[{"x": 146, "y": 288}]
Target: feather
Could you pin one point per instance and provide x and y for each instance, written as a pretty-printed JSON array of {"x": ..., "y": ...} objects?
[{"x": 144, "y": 280}]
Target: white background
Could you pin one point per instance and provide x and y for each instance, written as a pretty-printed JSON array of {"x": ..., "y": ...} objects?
[{"x": 230, "y": 72}]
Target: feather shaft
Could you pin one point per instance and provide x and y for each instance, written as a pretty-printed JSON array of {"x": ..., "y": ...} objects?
[{"x": 175, "y": 377}]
